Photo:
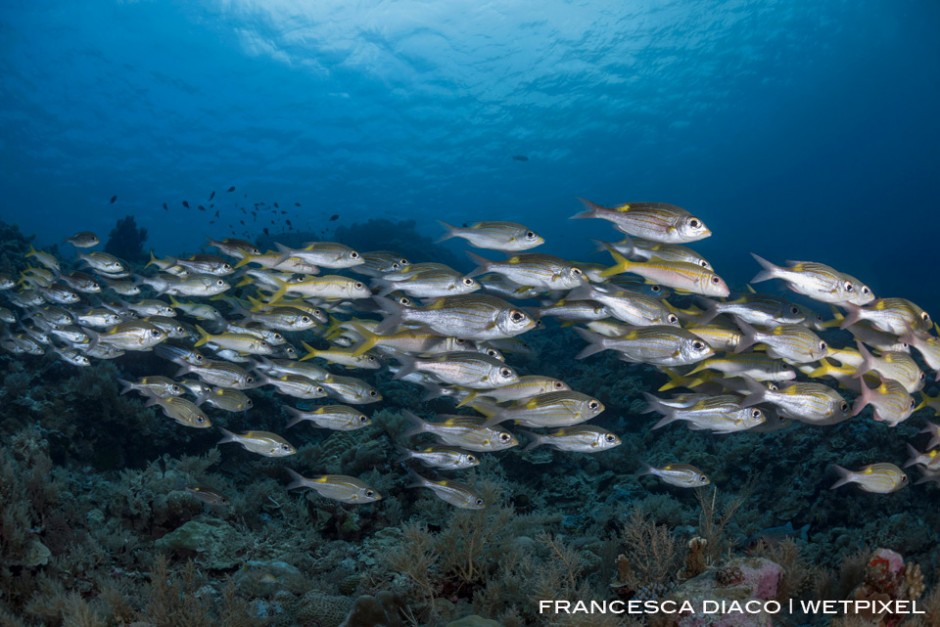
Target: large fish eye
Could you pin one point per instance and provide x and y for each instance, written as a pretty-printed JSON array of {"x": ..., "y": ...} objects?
[
  {"x": 354, "y": 255},
  {"x": 471, "y": 458},
  {"x": 372, "y": 393},
  {"x": 249, "y": 379},
  {"x": 913, "y": 403},
  {"x": 285, "y": 447},
  {"x": 655, "y": 289},
  {"x": 358, "y": 285},
  {"x": 479, "y": 502},
  {"x": 609, "y": 437},
  {"x": 925, "y": 316},
  {"x": 249, "y": 403},
  {"x": 756, "y": 413},
  {"x": 698, "y": 345},
  {"x": 516, "y": 315},
  {"x": 363, "y": 419},
  {"x": 844, "y": 406},
  {"x": 155, "y": 332},
  {"x": 505, "y": 372},
  {"x": 504, "y": 437},
  {"x": 319, "y": 390},
  {"x": 849, "y": 287},
  {"x": 305, "y": 320},
  {"x": 576, "y": 271},
  {"x": 530, "y": 235},
  {"x": 405, "y": 301},
  {"x": 672, "y": 318},
  {"x": 370, "y": 493},
  {"x": 923, "y": 375},
  {"x": 200, "y": 420},
  {"x": 558, "y": 385},
  {"x": 175, "y": 389},
  {"x": 593, "y": 405},
  {"x": 468, "y": 281},
  {"x": 822, "y": 346},
  {"x": 794, "y": 310},
  {"x": 703, "y": 263},
  {"x": 220, "y": 282},
  {"x": 865, "y": 290},
  {"x": 716, "y": 280},
  {"x": 695, "y": 223}
]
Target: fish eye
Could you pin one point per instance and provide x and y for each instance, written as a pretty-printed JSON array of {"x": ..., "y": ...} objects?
[
  {"x": 697, "y": 345},
  {"x": 672, "y": 318},
  {"x": 285, "y": 447},
  {"x": 278, "y": 336},
  {"x": 865, "y": 290},
  {"x": 849, "y": 287},
  {"x": 249, "y": 379},
  {"x": 404, "y": 262},
  {"x": 913, "y": 403},
  {"x": 305, "y": 319},
  {"x": 576, "y": 271},
  {"x": 404, "y": 300},
  {"x": 756, "y": 413},
  {"x": 530, "y": 234},
  {"x": 358, "y": 285},
  {"x": 558, "y": 385},
  {"x": 844, "y": 406},
  {"x": 822, "y": 346},
  {"x": 716, "y": 280},
  {"x": 468, "y": 281},
  {"x": 249, "y": 403},
  {"x": 609, "y": 437},
  {"x": 155, "y": 332},
  {"x": 593, "y": 405},
  {"x": 695, "y": 223},
  {"x": 372, "y": 393},
  {"x": 516, "y": 315},
  {"x": 479, "y": 502},
  {"x": 471, "y": 458},
  {"x": 505, "y": 372},
  {"x": 794, "y": 310},
  {"x": 354, "y": 255},
  {"x": 655, "y": 289},
  {"x": 199, "y": 359},
  {"x": 925, "y": 316},
  {"x": 363, "y": 419},
  {"x": 923, "y": 375},
  {"x": 200, "y": 420},
  {"x": 320, "y": 390},
  {"x": 504, "y": 437},
  {"x": 176, "y": 389},
  {"x": 220, "y": 282},
  {"x": 370, "y": 493}
]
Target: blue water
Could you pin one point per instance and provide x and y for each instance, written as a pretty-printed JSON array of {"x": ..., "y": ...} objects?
[{"x": 801, "y": 130}]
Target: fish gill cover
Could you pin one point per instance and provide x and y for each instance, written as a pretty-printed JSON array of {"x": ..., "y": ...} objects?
[{"x": 290, "y": 396}]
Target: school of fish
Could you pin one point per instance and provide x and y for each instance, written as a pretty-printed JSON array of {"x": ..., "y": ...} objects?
[{"x": 299, "y": 320}]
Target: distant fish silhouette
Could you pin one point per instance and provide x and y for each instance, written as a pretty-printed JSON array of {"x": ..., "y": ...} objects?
[
  {"x": 165, "y": 208},
  {"x": 296, "y": 204},
  {"x": 186, "y": 204},
  {"x": 266, "y": 232},
  {"x": 334, "y": 217},
  {"x": 212, "y": 195},
  {"x": 231, "y": 189},
  {"x": 289, "y": 224},
  {"x": 276, "y": 205},
  {"x": 201, "y": 208},
  {"x": 217, "y": 213},
  {"x": 113, "y": 199},
  {"x": 520, "y": 158}
]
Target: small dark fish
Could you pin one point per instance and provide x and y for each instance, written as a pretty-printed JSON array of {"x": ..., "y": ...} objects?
[
  {"x": 266, "y": 231},
  {"x": 212, "y": 195},
  {"x": 211, "y": 221},
  {"x": 231, "y": 189},
  {"x": 520, "y": 158},
  {"x": 207, "y": 496},
  {"x": 276, "y": 205},
  {"x": 186, "y": 204},
  {"x": 201, "y": 208},
  {"x": 217, "y": 213},
  {"x": 272, "y": 221},
  {"x": 283, "y": 212},
  {"x": 334, "y": 217},
  {"x": 211, "y": 205},
  {"x": 288, "y": 223},
  {"x": 113, "y": 199},
  {"x": 241, "y": 222},
  {"x": 296, "y": 204},
  {"x": 243, "y": 210},
  {"x": 165, "y": 208}
]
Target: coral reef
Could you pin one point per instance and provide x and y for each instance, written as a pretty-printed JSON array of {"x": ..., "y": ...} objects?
[{"x": 126, "y": 240}]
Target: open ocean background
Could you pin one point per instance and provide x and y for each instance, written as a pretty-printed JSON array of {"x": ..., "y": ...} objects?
[{"x": 797, "y": 129}]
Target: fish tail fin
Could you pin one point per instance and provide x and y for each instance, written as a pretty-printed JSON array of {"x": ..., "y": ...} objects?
[
  {"x": 591, "y": 210},
  {"x": 483, "y": 264},
  {"x": 394, "y": 314},
  {"x": 645, "y": 469},
  {"x": 244, "y": 261},
  {"x": 203, "y": 337},
  {"x": 283, "y": 286},
  {"x": 408, "y": 365},
  {"x": 536, "y": 440},
  {"x": 622, "y": 264},
  {"x": 748, "y": 337},
  {"x": 311, "y": 352},
  {"x": 153, "y": 259},
  {"x": 769, "y": 271},
  {"x": 298, "y": 417},
  {"x": 845, "y": 476},
  {"x": 451, "y": 231},
  {"x": 227, "y": 436},
  {"x": 256, "y": 304},
  {"x": 469, "y": 398},
  {"x": 868, "y": 361},
  {"x": 416, "y": 423},
  {"x": 709, "y": 310},
  {"x": 595, "y": 343},
  {"x": 299, "y": 481},
  {"x": 854, "y": 315},
  {"x": 126, "y": 386},
  {"x": 914, "y": 453},
  {"x": 756, "y": 392},
  {"x": 863, "y": 399},
  {"x": 369, "y": 340}
]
